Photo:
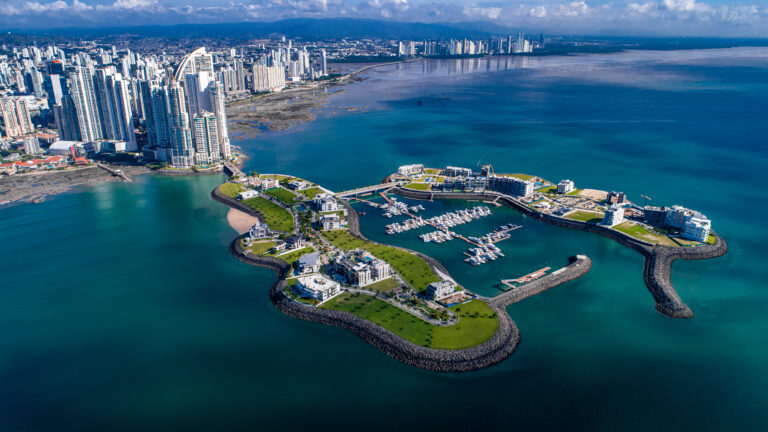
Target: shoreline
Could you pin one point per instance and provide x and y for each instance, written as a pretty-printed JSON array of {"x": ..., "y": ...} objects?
[
  {"x": 658, "y": 259},
  {"x": 499, "y": 347}
]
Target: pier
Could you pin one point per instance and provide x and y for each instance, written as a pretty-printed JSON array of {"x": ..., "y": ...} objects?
[
  {"x": 527, "y": 278},
  {"x": 114, "y": 172}
]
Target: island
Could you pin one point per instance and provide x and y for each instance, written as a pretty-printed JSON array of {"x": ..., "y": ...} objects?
[{"x": 405, "y": 303}]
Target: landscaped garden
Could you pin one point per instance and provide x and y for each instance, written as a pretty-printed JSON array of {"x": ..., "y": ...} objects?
[
  {"x": 311, "y": 192},
  {"x": 641, "y": 233},
  {"x": 276, "y": 217},
  {"x": 585, "y": 216},
  {"x": 415, "y": 271},
  {"x": 283, "y": 195},
  {"x": 477, "y": 321},
  {"x": 418, "y": 186},
  {"x": 231, "y": 189}
]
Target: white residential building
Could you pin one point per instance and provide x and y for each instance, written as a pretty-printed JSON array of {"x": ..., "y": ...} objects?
[
  {"x": 440, "y": 290},
  {"x": 325, "y": 202},
  {"x": 317, "y": 287},
  {"x": 330, "y": 222},
  {"x": 259, "y": 231},
  {"x": 309, "y": 263},
  {"x": 248, "y": 194},
  {"x": 410, "y": 169},
  {"x": 697, "y": 227},
  {"x": 565, "y": 186},
  {"x": 614, "y": 215},
  {"x": 32, "y": 145}
]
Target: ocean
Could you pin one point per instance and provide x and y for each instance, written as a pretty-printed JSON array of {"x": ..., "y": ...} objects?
[{"x": 121, "y": 308}]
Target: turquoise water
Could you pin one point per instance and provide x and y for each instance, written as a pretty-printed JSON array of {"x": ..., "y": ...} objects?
[{"x": 121, "y": 308}]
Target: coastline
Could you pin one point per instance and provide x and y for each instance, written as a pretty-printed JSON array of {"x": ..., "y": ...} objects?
[
  {"x": 499, "y": 347},
  {"x": 658, "y": 259}
]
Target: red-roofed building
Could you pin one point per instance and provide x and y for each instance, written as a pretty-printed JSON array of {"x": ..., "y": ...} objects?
[{"x": 81, "y": 161}]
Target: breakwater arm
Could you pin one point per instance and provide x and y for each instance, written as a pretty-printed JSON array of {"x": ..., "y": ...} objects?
[{"x": 658, "y": 259}]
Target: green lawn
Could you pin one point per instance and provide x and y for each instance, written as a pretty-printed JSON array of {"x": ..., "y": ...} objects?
[
  {"x": 548, "y": 189},
  {"x": 520, "y": 176},
  {"x": 639, "y": 232},
  {"x": 418, "y": 186},
  {"x": 574, "y": 192},
  {"x": 477, "y": 321},
  {"x": 231, "y": 189},
  {"x": 711, "y": 239},
  {"x": 283, "y": 195},
  {"x": 412, "y": 268},
  {"x": 311, "y": 192},
  {"x": 276, "y": 217},
  {"x": 585, "y": 216},
  {"x": 291, "y": 258},
  {"x": 433, "y": 171},
  {"x": 383, "y": 285},
  {"x": 261, "y": 248}
]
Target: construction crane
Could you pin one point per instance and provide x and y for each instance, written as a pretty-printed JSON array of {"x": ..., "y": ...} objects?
[{"x": 646, "y": 198}]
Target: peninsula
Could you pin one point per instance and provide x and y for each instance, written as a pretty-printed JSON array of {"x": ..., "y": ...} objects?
[{"x": 407, "y": 304}]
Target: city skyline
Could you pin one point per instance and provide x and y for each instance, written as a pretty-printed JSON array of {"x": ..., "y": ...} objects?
[{"x": 713, "y": 18}]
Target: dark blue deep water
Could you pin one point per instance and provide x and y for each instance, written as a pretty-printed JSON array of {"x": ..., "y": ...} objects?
[{"x": 121, "y": 309}]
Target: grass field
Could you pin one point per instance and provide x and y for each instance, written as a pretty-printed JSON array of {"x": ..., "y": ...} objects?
[
  {"x": 433, "y": 171},
  {"x": 477, "y": 321},
  {"x": 418, "y": 186},
  {"x": 311, "y": 192},
  {"x": 585, "y": 216},
  {"x": 291, "y": 258},
  {"x": 639, "y": 232},
  {"x": 231, "y": 189},
  {"x": 574, "y": 192},
  {"x": 412, "y": 268},
  {"x": 520, "y": 176},
  {"x": 547, "y": 190},
  {"x": 262, "y": 247},
  {"x": 284, "y": 196},
  {"x": 276, "y": 217},
  {"x": 383, "y": 285}
]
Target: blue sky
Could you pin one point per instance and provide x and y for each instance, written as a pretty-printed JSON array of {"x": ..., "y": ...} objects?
[{"x": 629, "y": 17}]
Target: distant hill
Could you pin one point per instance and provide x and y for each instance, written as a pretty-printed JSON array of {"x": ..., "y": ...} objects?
[{"x": 305, "y": 28}]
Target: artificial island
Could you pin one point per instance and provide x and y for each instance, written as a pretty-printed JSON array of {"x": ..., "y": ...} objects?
[{"x": 406, "y": 303}]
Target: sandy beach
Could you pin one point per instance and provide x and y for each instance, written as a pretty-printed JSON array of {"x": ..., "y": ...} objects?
[{"x": 239, "y": 221}]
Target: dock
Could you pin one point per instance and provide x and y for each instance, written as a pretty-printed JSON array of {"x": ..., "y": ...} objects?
[
  {"x": 114, "y": 172},
  {"x": 527, "y": 278}
]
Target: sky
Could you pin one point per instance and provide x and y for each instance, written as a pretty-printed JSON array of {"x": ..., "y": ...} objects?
[{"x": 747, "y": 18}]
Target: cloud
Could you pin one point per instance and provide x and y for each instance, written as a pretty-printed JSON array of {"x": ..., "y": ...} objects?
[
  {"x": 630, "y": 17},
  {"x": 473, "y": 11}
]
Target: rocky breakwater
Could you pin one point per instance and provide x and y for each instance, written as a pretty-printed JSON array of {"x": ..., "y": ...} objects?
[
  {"x": 496, "y": 349},
  {"x": 579, "y": 266},
  {"x": 658, "y": 269},
  {"x": 658, "y": 259}
]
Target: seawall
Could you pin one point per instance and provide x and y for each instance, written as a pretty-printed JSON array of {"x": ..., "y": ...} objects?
[{"x": 658, "y": 259}]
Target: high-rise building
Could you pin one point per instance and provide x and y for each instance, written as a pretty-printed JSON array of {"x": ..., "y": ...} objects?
[
  {"x": 180, "y": 135},
  {"x": 32, "y": 145},
  {"x": 323, "y": 63},
  {"x": 84, "y": 101},
  {"x": 16, "y": 117},
  {"x": 268, "y": 78},
  {"x": 206, "y": 139},
  {"x": 218, "y": 101}
]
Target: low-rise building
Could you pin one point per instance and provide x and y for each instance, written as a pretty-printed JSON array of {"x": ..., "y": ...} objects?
[
  {"x": 317, "y": 287},
  {"x": 332, "y": 221},
  {"x": 66, "y": 148},
  {"x": 614, "y": 215},
  {"x": 565, "y": 186},
  {"x": 269, "y": 183},
  {"x": 32, "y": 145},
  {"x": 440, "y": 290},
  {"x": 259, "y": 231},
  {"x": 248, "y": 194},
  {"x": 654, "y": 215},
  {"x": 452, "y": 171},
  {"x": 406, "y": 170},
  {"x": 309, "y": 263},
  {"x": 616, "y": 197},
  {"x": 361, "y": 268},
  {"x": 510, "y": 185},
  {"x": 697, "y": 228},
  {"x": 299, "y": 185},
  {"x": 325, "y": 202}
]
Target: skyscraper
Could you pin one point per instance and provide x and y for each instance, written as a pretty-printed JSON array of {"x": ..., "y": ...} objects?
[
  {"x": 84, "y": 101},
  {"x": 206, "y": 139},
  {"x": 218, "y": 101},
  {"x": 182, "y": 153},
  {"x": 16, "y": 116}
]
